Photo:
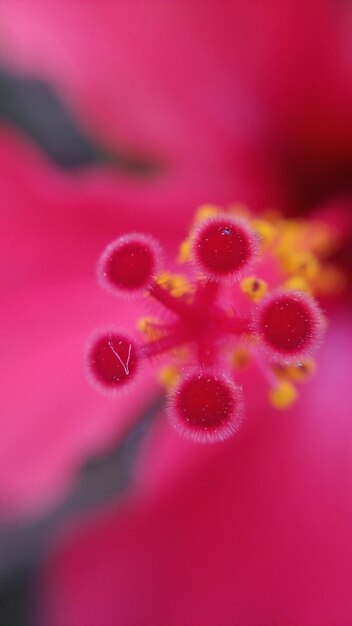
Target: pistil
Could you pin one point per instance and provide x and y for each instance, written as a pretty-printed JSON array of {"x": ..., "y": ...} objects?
[{"x": 223, "y": 319}]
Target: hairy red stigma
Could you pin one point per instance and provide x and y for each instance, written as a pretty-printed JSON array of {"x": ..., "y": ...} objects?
[
  {"x": 223, "y": 247},
  {"x": 289, "y": 324},
  {"x": 129, "y": 263},
  {"x": 205, "y": 407},
  {"x": 112, "y": 360}
]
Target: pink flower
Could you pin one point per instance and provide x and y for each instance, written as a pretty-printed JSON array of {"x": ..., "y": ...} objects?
[
  {"x": 51, "y": 230},
  {"x": 217, "y": 314},
  {"x": 253, "y": 531},
  {"x": 209, "y": 89},
  {"x": 53, "y": 227},
  {"x": 240, "y": 532}
]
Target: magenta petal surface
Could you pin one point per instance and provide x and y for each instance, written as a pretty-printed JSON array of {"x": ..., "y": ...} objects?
[
  {"x": 255, "y": 531},
  {"x": 206, "y": 88}
]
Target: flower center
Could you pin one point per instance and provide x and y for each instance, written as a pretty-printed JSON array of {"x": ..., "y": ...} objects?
[{"x": 220, "y": 318}]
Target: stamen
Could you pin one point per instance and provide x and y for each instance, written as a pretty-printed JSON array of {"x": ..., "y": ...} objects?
[
  {"x": 164, "y": 344},
  {"x": 332, "y": 281},
  {"x": 303, "y": 264},
  {"x": 177, "y": 305},
  {"x": 205, "y": 407},
  {"x": 301, "y": 372},
  {"x": 152, "y": 328},
  {"x": 184, "y": 253},
  {"x": 266, "y": 231},
  {"x": 240, "y": 358},
  {"x": 297, "y": 283},
  {"x": 210, "y": 327},
  {"x": 168, "y": 376},
  {"x": 223, "y": 248},
  {"x": 255, "y": 288},
  {"x": 177, "y": 284},
  {"x": 283, "y": 395},
  {"x": 205, "y": 211},
  {"x": 129, "y": 264}
]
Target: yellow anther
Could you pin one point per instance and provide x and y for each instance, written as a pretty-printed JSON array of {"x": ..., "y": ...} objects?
[
  {"x": 289, "y": 235},
  {"x": 289, "y": 229},
  {"x": 184, "y": 251},
  {"x": 321, "y": 239},
  {"x": 176, "y": 284},
  {"x": 240, "y": 358},
  {"x": 301, "y": 372},
  {"x": 331, "y": 281},
  {"x": 182, "y": 353},
  {"x": 273, "y": 215},
  {"x": 168, "y": 376},
  {"x": 239, "y": 209},
  {"x": 254, "y": 288},
  {"x": 266, "y": 231},
  {"x": 150, "y": 327},
  {"x": 283, "y": 395},
  {"x": 301, "y": 264},
  {"x": 297, "y": 283},
  {"x": 205, "y": 211}
]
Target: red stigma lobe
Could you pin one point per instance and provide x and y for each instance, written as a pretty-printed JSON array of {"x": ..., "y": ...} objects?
[
  {"x": 205, "y": 407},
  {"x": 289, "y": 324},
  {"x": 112, "y": 360},
  {"x": 129, "y": 263},
  {"x": 223, "y": 248}
]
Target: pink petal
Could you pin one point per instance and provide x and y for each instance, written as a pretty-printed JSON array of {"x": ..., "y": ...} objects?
[
  {"x": 52, "y": 232},
  {"x": 205, "y": 87},
  {"x": 255, "y": 531},
  {"x": 53, "y": 228}
]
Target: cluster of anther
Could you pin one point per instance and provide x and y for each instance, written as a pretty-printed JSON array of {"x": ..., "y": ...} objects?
[{"x": 219, "y": 314}]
